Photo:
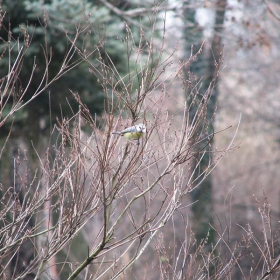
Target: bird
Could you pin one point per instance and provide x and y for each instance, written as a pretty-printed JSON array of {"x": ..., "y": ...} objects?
[{"x": 133, "y": 133}]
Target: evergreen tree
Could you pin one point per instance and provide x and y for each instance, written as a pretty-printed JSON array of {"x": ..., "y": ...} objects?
[{"x": 51, "y": 26}]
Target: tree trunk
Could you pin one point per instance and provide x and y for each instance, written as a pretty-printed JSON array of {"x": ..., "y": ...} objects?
[{"x": 206, "y": 66}]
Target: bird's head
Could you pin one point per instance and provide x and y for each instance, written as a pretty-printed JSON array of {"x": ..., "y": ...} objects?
[{"x": 141, "y": 128}]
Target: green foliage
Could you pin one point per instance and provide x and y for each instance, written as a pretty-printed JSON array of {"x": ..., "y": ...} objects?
[{"x": 50, "y": 26}]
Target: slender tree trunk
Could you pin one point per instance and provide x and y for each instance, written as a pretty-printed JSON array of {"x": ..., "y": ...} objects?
[{"x": 206, "y": 66}]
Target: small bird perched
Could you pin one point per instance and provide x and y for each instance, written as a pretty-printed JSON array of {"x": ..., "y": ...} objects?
[{"x": 133, "y": 133}]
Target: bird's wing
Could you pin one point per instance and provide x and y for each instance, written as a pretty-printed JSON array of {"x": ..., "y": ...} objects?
[{"x": 129, "y": 129}]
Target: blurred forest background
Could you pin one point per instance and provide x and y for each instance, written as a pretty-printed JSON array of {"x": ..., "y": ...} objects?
[{"x": 71, "y": 67}]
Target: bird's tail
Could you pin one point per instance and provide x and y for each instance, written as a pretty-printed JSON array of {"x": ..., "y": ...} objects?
[{"x": 116, "y": 132}]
